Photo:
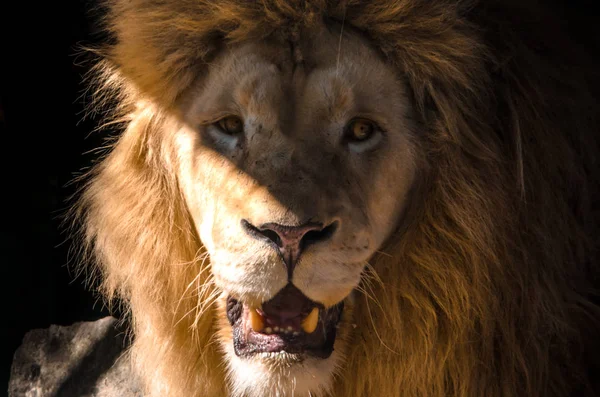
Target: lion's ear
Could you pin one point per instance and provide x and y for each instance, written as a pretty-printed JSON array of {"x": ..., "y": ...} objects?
[
  {"x": 150, "y": 50},
  {"x": 161, "y": 47}
]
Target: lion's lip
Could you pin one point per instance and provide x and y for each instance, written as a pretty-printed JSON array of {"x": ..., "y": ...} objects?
[{"x": 281, "y": 328}]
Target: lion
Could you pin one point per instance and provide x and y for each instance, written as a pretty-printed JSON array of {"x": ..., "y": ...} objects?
[{"x": 346, "y": 198}]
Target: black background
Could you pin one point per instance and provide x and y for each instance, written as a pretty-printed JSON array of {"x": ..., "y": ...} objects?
[{"x": 44, "y": 140}]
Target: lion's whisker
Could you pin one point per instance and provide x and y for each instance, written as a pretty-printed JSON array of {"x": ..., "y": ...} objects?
[
  {"x": 372, "y": 320},
  {"x": 339, "y": 51},
  {"x": 384, "y": 253},
  {"x": 205, "y": 303},
  {"x": 202, "y": 269}
]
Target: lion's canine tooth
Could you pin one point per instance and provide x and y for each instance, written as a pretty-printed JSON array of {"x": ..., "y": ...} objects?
[
  {"x": 256, "y": 321},
  {"x": 309, "y": 324}
]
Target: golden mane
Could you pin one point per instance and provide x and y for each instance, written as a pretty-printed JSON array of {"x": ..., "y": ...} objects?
[{"x": 484, "y": 290}]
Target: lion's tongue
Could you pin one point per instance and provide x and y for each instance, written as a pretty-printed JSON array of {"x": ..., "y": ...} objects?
[
  {"x": 289, "y": 311},
  {"x": 289, "y": 322}
]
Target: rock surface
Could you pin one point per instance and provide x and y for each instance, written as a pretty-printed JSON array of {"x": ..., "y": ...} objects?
[{"x": 84, "y": 359}]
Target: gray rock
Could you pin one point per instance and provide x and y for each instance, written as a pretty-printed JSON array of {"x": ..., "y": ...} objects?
[{"x": 84, "y": 359}]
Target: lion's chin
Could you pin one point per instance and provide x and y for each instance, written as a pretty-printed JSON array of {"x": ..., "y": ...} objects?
[{"x": 288, "y": 327}]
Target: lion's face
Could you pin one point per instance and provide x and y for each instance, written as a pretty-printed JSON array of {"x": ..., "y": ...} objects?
[{"x": 296, "y": 163}]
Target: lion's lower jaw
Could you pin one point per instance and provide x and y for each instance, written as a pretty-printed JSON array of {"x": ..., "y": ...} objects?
[
  {"x": 163, "y": 373},
  {"x": 280, "y": 375},
  {"x": 276, "y": 374}
]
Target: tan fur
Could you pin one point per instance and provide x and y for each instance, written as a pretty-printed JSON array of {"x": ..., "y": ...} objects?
[{"x": 481, "y": 290}]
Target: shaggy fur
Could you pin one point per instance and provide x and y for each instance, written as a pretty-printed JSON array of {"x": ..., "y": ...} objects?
[{"x": 486, "y": 289}]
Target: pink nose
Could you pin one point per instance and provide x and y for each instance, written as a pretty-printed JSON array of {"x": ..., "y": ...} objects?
[{"x": 292, "y": 240}]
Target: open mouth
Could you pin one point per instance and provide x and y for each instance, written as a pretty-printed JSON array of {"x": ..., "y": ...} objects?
[{"x": 289, "y": 322}]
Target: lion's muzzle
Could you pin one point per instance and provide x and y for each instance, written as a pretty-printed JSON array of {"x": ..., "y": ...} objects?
[{"x": 289, "y": 322}]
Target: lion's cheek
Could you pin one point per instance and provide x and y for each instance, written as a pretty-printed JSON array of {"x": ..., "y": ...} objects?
[
  {"x": 389, "y": 197},
  {"x": 253, "y": 276},
  {"x": 328, "y": 283}
]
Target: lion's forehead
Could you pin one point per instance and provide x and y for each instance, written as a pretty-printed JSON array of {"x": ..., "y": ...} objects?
[{"x": 339, "y": 75}]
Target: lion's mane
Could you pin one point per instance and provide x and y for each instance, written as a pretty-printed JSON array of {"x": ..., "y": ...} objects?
[{"x": 486, "y": 288}]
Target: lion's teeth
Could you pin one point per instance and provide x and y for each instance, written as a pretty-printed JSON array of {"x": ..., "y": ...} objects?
[
  {"x": 309, "y": 324},
  {"x": 256, "y": 321}
]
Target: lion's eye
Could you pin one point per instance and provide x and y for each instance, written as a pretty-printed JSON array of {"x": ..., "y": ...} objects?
[
  {"x": 362, "y": 134},
  {"x": 231, "y": 125},
  {"x": 360, "y": 130}
]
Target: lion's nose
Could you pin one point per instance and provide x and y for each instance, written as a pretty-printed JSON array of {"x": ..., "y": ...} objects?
[{"x": 291, "y": 240}]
